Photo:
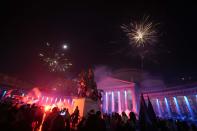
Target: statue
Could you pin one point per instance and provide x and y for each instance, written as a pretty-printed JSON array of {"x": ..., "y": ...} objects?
[
  {"x": 82, "y": 84},
  {"x": 87, "y": 85}
]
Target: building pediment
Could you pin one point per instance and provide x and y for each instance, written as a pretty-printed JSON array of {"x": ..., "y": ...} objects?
[{"x": 111, "y": 83}]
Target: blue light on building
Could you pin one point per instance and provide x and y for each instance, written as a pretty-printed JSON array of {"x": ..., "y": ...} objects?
[
  {"x": 168, "y": 108},
  {"x": 196, "y": 98},
  {"x": 189, "y": 107},
  {"x": 177, "y": 106},
  {"x": 158, "y": 107},
  {"x": 4, "y": 93}
]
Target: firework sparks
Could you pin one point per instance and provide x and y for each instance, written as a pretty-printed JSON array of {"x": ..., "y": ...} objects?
[
  {"x": 141, "y": 33},
  {"x": 56, "y": 60}
]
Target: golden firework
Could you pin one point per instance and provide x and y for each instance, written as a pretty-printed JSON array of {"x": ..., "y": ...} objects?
[{"x": 141, "y": 33}]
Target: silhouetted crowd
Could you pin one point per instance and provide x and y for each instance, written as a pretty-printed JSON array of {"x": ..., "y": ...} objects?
[{"x": 15, "y": 116}]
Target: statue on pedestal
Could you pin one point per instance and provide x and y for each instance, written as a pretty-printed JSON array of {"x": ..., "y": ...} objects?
[
  {"x": 82, "y": 84},
  {"x": 87, "y": 85}
]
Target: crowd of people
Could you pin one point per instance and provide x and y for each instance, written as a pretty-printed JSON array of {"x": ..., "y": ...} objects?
[{"x": 25, "y": 117}]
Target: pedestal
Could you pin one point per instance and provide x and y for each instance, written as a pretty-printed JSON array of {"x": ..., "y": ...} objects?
[{"x": 85, "y": 105}]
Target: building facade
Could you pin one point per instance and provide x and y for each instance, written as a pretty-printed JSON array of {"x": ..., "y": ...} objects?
[
  {"x": 119, "y": 95},
  {"x": 176, "y": 102}
]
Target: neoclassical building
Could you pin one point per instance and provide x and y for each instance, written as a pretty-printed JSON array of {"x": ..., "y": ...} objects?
[
  {"x": 119, "y": 95},
  {"x": 175, "y": 102},
  {"x": 122, "y": 90}
]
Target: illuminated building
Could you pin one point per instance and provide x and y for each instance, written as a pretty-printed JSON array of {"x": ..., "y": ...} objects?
[
  {"x": 175, "y": 102},
  {"x": 123, "y": 88},
  {"x": 118, "y": 95}
]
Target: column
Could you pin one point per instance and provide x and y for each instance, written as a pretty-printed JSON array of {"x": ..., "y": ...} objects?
[
  {"x": 55, "y": 100},
  {"x": 113, "y": 105},
  {"x": 72, "y": 102},
  {"x": 177, "y": 106},
  {"x": 51, "y": 100},
  {"x": 125, "y": 98},
  {"x": 167, "y": 106},
  {"x": 46, "y": 100},
  {"x": 196, "y": 98},
  {"x": 64, "y": 100},
  {"x": 189, "y": 107},
  {"x": 4, "y": 93},
  {"x": 42, "y": 98},
  {"x": 106, "y": 102},
  {"x": 119, "y": 103},
  {"x": 158, "y": 107}
]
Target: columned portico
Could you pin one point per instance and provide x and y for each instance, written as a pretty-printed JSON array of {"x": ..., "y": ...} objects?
[
  {"x": 175, "y": 102},
  {"x": 118, "y": 96}
]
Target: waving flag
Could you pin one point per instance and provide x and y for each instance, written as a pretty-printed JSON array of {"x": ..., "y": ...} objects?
[
  {"x": 151, "y": 112},
  {"x": 144, "y": 119}
]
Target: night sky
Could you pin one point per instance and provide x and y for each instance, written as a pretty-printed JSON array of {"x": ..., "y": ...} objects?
[{"x": 95, "y": 37}]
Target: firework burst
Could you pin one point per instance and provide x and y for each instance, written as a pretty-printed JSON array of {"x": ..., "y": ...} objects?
[
  {"x": 55, "y": 59},
  {"x": 141, "y": 33}
]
